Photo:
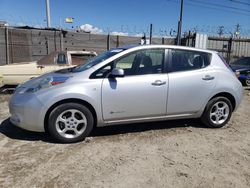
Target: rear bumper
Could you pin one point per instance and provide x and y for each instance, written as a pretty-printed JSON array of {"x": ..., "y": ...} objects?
[{"x": 238, "y": 96}]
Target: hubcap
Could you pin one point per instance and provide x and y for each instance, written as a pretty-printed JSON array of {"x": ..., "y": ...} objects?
[
  {"x": 219, "y": 113},
  {"x": 71, "y": 123}
]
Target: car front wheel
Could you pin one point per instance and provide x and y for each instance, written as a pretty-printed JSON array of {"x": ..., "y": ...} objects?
[
  {"x": 217, "y": 112},
  {"x": 70, "y": 122}
]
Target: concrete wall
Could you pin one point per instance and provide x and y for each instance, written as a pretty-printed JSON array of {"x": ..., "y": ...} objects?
[{"x": 24, "y": 45}]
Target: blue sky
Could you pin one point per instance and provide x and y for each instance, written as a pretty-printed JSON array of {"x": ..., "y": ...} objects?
[{"x": 132, "y": 16}]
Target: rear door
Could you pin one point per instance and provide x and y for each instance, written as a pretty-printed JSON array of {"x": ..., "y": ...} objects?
[{"x": 191, "y": 81}]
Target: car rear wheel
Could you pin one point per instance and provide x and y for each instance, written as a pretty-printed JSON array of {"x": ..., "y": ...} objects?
[
  {"x": 217, "y": 112},
  {"x": 70, "y": 122}
]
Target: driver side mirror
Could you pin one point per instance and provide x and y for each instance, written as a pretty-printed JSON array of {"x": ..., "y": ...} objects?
[{"x": 116, "y": 72}]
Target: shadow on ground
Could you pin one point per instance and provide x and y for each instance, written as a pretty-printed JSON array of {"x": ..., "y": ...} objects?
[
  {"x": 142, "y": 127},
  {"x": 13, "y": 132}
]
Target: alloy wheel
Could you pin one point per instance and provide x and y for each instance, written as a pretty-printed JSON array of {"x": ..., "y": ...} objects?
[
  {"x": 219, "y": 112},
  {"x": 71, "y": 123}
]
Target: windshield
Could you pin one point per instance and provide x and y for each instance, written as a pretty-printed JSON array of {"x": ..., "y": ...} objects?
[
  {"x": 98, "y": 59},
  {"x": 242, "y": 61}
]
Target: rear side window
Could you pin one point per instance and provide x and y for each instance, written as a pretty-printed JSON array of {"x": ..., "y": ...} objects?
[{"x": 185, "y": 60}]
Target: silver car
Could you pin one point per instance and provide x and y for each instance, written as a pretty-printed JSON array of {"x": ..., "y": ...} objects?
[{"x": 128, "y": 85}]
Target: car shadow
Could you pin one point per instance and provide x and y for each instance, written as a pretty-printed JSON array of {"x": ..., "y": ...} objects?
[
  {"x": 13, "y": 132},
  {"x": 142, "y": 127}
]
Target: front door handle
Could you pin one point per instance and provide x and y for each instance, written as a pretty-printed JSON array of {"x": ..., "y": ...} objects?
[
  {"x": 208, "y": 77},
  {"x": 158, "y": 83}
]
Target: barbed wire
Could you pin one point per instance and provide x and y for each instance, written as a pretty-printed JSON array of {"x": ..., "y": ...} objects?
[{"x": 134, "y": 30}]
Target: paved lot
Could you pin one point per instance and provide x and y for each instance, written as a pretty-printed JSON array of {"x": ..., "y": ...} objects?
[{"x": 167, "y": 154}]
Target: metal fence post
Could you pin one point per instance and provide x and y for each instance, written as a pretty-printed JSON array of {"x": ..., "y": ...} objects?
[
  {"x": 117, "y": 41},
  {"x": 7, "y": 44},
  {"x": 229, "y": 48},
  {"x": 61, "y": 40}
]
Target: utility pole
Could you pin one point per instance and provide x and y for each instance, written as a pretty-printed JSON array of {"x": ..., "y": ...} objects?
[
  {"x": 150, "y": 35},
  {"x": 48, "y": 13},
  {"x": 180, "y": 25}
]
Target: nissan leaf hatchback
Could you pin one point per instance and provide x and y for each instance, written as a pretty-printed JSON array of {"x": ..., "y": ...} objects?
[{"x": 128, "y": 85}]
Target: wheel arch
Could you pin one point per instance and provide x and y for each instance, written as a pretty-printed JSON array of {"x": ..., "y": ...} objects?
[
  {"x": 69, "y": 100},
  {"x": 229, "y": 96}
]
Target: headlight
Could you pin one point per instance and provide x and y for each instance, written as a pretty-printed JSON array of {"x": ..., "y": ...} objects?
[{"x": 45, "y": 83}]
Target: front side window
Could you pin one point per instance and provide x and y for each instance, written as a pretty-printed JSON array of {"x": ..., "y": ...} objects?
[
  {"x": 141, "y": 62},
  {"x": 184, "y": 60},
  {"x": 148, "y": 61}
]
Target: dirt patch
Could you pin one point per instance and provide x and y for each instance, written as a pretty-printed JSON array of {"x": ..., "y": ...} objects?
[{"x": 167, "y": 154}]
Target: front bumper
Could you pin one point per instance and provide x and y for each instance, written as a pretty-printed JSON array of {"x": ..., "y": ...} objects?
[{"x": 27, "y": 112}]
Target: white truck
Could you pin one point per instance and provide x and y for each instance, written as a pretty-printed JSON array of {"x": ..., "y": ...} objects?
[{"x": 14, "y": 74}]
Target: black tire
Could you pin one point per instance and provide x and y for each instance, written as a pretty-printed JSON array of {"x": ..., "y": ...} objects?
[
  {"x": 211, "y": 106},
  {"x": 54, "y": 125}
]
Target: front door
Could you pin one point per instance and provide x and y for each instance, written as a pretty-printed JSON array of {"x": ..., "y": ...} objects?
[{"x": 142, "y": 92}]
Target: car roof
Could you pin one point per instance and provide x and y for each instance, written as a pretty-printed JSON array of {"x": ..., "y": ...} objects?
[{"x": 164, "y": 46}]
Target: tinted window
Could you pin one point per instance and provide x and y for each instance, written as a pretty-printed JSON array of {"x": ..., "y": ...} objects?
[{"x": 184, "y": 60}]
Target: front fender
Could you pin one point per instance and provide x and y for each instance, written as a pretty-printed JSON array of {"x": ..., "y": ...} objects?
[{"x": 91, "y": 96}]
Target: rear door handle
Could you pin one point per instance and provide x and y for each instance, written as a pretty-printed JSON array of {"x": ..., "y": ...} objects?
[
  {"x": 208, "y": 77},
  {"x": 158, "y": 83}
]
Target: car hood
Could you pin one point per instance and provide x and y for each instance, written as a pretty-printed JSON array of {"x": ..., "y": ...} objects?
[
  {"x": 17, "y": 68},
  {"x": 72, "y": 77}
]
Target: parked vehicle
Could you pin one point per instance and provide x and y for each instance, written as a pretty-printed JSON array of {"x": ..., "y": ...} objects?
[
  {"x": 128, "y": 85},
  {"x": 242, "y": 68},
  {"x": 15, "y": 74}
]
